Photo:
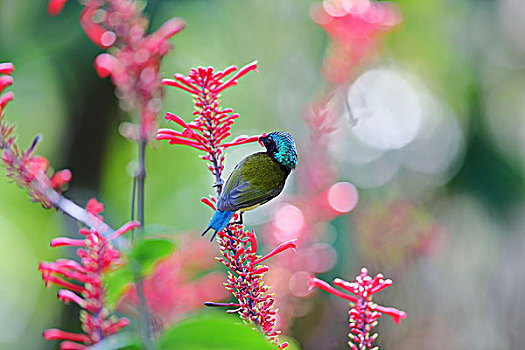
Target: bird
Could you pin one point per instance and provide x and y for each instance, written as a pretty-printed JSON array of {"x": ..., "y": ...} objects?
[{"x": 256, "y": 179}]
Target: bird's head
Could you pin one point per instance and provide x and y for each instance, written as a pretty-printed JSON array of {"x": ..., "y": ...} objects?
[{"x": 281, "y": 146}]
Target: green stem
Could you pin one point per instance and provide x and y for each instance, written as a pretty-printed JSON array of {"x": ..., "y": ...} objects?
[{"x": 139, "y": 182}]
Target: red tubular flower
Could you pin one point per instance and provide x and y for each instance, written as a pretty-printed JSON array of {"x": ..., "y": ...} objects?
[
  {"x": 364, "y": 313},
  {"x": 355, "y": 27},
  {"x": 62, "y": 241},
  {"x": 281, "y": 248},
  {"x": 5, "y": 80},
  {"x": 6, "y": 68},
  {"x": 83, "y": 283},
  {"x": 245, "y": 280},
  {"x": 26, "y": 169},
  {"x": 94, "y": 207},
  {"x": 54, "y": 7},
  {"x": 135, "y": 61},
  {"x": 208, "y": 132},
  {"x": 213, "y": 123}
]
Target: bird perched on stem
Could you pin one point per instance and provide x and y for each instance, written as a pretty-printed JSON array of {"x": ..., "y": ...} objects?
[{"x": 257, "y": 179}]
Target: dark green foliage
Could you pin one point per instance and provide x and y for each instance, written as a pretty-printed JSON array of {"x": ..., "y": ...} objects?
[
  {"x": 217, "y": 332},
  {"x": 124, "y": 340},
  {"x": 148, "y": 251}
]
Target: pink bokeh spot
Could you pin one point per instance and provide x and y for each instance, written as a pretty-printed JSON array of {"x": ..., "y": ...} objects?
[
  {"x": 343, "y": 197},
  {"x": 289, "y": 221},
  {"x": 298, "y": 284}
]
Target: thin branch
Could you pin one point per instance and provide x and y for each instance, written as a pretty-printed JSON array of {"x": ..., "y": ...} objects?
[{"x": 139, "y": 182}]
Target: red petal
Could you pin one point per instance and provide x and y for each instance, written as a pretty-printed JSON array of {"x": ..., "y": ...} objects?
[
  {"x": 105, "y": 64},
  {"x": 5, "y": 81},
  {"x": 177, "y": 119},
  {"x": 241, "y": 140},
  {"x": 95, "y": 32},
  {"x": 239, "y": 74},
  {"x": 55, "y": 6},
  {"x": 208, "y": 203},
  {"x": 60, "y": 178},
  {"x": 6, "y": 68},
  {"x": 6, "y": 98},
  {"x": 57, "y": 334},
  {"x": 69, "y": 345},
  {"x": 124, "y": 229},
  {"x": 67, "y": 296},
  {"x": 62, "y": 241},
  {"x": 94, "y": 207},
  {"x": 397, "y": 315},
  {"x": 173, "y": 83},
  {"x": 171, "y": 27},
  {"x": 315, "y": 282},
  {"x": 286, "y": 245}
]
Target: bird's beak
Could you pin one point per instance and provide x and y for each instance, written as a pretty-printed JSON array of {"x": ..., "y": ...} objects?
[{"x": 261, "y": 139}]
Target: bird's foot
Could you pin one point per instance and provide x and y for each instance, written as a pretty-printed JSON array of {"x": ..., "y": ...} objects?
[
  {"x": 218, "y": 183},
  {"x": 240, "y": 221}
]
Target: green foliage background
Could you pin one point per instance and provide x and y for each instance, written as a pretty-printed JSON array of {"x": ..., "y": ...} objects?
[{"x": 467, "y": 295}]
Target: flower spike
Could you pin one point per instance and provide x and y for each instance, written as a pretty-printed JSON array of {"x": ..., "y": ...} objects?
[
  {"x": 82, "y": 283},
  {"x": 213, "y": 123},
  {"x": 364, "y": 313},
  {"x": 134, "y": 61},
  {"x": 245, "y": 280},
  {"x": 26, "y": 169},
  {"x": 208, "y": 132},
  {"x": 355, "y": 28}
]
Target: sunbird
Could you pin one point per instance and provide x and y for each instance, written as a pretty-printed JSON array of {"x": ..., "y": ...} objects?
[{"x": 256, "y": 180}]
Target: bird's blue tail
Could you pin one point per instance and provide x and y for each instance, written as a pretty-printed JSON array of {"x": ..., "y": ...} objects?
[{"x": 219, "y": 221}]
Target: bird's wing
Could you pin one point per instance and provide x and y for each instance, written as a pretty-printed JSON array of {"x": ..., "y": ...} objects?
[
  {"x": 245, "y": 196},
  {"x": 240, "y": 193}
]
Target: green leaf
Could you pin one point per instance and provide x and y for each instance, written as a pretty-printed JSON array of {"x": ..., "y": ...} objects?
[
  {"x": 217, "y": 332},
  {"x": 116, "y": 283},
  {"x": 123, "y": 340},
  {"x": 144, "y": 255},
  {"x": 148, "y": 251}
]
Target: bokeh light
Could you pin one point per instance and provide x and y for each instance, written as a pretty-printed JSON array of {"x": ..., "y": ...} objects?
[
  {"x": 289, "y": 221},
  {"x": 343, "y": 197},
  {"x": 392, "y": 122},
  {"x": 387, "y": 107}
]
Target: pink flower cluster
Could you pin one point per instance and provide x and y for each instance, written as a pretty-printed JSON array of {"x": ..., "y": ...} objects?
[
  {"x": 245, "y": 279},
  {"x": 134, "y": 62},
  {"x": 82, "y": 284},
  {"x": 26, "y": 169},
  {"x": 355, "y": 27},
  {"x": 212, "y": 123},
  {"x": 364, "y": 313}
]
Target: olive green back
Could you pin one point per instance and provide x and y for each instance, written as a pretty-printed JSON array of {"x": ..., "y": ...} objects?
[{"x": 255, "y": 180}]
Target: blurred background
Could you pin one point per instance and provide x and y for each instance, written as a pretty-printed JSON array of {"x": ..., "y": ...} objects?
[{"x": 423, "y": 114}]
